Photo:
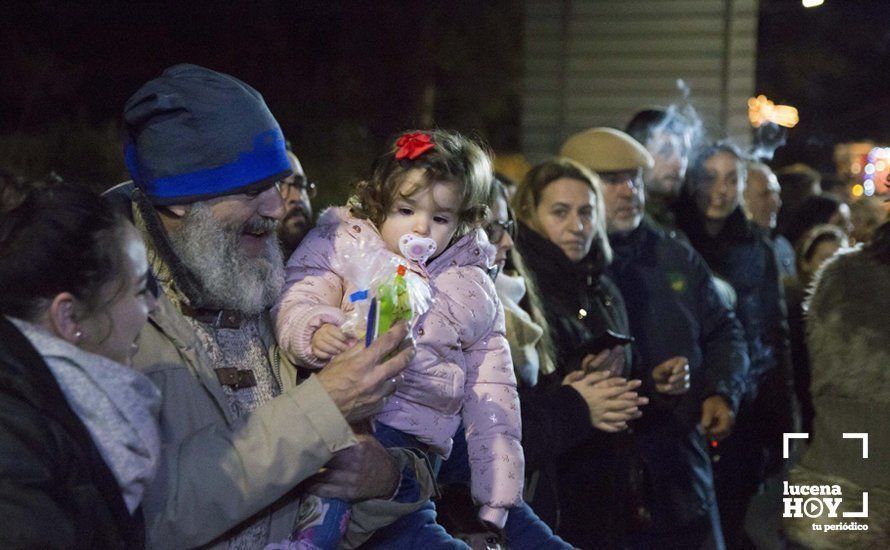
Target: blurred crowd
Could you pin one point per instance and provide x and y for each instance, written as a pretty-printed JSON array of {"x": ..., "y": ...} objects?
[{"x": 615, "y": 346}]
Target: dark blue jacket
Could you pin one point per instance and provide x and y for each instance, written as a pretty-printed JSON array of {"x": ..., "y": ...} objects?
[
  {"x": 675, "y": 310},
  {"x": 743, "y": 256}
]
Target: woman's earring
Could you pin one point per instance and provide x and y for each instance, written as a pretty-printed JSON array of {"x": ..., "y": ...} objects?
[{"x": 77, "y": 336}]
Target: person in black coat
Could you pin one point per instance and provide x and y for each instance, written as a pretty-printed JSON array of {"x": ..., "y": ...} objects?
[
  {"x": 588, "y": 493},
  {"x": 78, "y": 426},
  {"x": 713, "y": 220}
]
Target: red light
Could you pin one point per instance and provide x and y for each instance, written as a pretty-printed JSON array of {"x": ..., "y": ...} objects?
[{"x": 714, "y": 443}]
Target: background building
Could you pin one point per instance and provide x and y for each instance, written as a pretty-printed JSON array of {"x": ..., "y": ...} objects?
[{"x": 597, "y": 62}]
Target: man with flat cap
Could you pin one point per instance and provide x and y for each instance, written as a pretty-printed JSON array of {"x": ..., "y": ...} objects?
[
  {"x": 240, "y": 429},
  {"x": 683, "y": 328}
]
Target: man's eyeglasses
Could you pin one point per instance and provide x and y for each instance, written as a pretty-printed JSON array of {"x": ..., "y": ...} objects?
[
  {"x": 622, "y": 177},
  {"x": 495, "y": 230},
  {"x": 299, "y": 186}
]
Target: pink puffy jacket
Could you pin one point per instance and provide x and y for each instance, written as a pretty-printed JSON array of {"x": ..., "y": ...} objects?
[{"x": 462, "y": 368}]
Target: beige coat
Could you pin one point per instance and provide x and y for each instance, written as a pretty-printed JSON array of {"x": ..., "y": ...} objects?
[{"x": 217, "y": 471}]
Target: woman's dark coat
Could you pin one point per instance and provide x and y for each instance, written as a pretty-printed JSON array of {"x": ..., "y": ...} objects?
[
  {"x": 582, "y": 474},
  {"x": 55, "y": 489}
]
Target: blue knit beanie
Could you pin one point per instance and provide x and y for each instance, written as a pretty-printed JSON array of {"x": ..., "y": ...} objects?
[{"x": 193, "y": 134}]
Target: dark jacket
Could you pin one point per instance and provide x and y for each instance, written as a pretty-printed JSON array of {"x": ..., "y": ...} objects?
[
  {"x": 584, "y": 492},
  {"x": 55, "y": 489},
  {"x": 744, "y": 257},
  {"x": 675, "y": 310}
]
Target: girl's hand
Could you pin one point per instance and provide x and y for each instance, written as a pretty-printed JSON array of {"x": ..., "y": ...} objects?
[{"x": 329, "y": 341}]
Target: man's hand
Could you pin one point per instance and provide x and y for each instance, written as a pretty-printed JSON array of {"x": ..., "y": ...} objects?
[
  {"x": 358, "y": 379},
  {"x": 672, "y": 376},
  {"x": 329, "y": 341},
  {"x": 717, "y": 417},
  {"x": 611, "y": 401},
  {"x": 361, "y": 472}
]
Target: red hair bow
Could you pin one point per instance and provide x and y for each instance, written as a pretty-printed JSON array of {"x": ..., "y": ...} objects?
[{"x": 411, "y": 146}]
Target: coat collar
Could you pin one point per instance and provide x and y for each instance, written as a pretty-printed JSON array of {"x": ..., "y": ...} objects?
[{"x": 552, "y": 267}]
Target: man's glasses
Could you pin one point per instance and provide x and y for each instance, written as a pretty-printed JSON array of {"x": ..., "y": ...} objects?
[
  {"x": 299, "y": 186},
  {"x": 495, "y": 230},
  {"x": 622, "y": 177}
]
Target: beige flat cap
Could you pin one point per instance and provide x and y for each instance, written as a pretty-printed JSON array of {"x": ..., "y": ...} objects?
[{"x": 606, "y": 150}]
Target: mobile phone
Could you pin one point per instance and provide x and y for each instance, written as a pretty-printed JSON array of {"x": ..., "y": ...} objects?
[{"x": 606, "y": 340}]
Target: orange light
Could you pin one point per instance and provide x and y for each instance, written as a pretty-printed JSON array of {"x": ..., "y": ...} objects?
[
  {"x": 761, "y": 110},
  {"x": 857, "y": 190}
]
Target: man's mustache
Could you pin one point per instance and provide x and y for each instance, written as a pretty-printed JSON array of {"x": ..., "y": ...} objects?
[
  {"x": 260, "y": 225},
  {"x": 297, "y": 211}
]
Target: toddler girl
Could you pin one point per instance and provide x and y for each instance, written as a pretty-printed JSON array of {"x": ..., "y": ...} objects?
[{"x": 431, "y": 186}]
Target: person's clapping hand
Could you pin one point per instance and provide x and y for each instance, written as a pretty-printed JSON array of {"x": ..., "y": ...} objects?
[
  {"x": 611, "y": 401},
  {"x": 672, "y": 376}
]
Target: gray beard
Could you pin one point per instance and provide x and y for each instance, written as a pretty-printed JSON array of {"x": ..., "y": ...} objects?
[{"x": 227, "y": 278}]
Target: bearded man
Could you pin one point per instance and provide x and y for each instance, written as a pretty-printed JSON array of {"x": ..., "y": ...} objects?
[
  {"x": 297, "y": 192},
  {"x": 239, "y": 429}
]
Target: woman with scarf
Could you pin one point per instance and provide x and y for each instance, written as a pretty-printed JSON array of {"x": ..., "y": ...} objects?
[
  {"x": 585, "y": 488},
  {"x": 78, "y": 426}
]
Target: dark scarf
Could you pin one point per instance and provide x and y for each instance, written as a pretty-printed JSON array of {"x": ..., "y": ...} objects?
[
  {"x": 716, "y": 249},
  {"x": 552, "y": 269}
]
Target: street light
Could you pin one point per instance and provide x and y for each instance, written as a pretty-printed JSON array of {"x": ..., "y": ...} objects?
[{"x": 812, "y": 3}]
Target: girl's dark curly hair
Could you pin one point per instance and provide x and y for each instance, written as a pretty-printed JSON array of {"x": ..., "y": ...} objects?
[{"x": 454, "y": 158}]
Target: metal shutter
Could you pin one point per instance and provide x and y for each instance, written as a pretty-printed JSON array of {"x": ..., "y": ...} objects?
[{"x": 597, "y": 62}]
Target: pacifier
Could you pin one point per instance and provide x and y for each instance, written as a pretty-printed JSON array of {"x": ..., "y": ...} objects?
[{"x": 416, "y": 248}]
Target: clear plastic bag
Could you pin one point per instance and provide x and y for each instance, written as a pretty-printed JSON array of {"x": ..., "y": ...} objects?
[{"x": 374, "y": 273}]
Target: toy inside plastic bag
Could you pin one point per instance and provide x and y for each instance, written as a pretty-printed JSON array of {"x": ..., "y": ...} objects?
[{"x": 387, "y": 292}]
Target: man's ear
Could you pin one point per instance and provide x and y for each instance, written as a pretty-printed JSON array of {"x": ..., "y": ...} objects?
[
  {"x": 177, "y": 210},
  {"x": 63, "y": 318},
  {"x": 171, "y": 216}
]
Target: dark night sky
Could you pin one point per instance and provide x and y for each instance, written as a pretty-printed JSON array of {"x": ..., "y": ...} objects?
[
  {"x": 343, "y": 76},
  {"x": 833, "y": 64}
]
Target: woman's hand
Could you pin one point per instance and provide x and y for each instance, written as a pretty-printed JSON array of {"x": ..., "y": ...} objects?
[
  {"x": 612, "y": 401},
  {"x": 672, "y": 376}
]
